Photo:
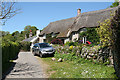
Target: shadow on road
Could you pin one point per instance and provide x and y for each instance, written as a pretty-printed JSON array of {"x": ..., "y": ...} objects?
[
  {"x": 10, "y": 69},
  {"x": 45, "y": 56}
]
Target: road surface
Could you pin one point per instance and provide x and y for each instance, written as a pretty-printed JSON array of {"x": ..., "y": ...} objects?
[{"x": 28, "y": 66}]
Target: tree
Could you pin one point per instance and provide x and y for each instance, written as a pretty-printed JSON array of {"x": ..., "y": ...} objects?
[
  {"x": 28, "y": 28},
  {"x": 16, "y": 33},
  {"x": 115, "y": 41},
  {"x": 8, "y": 10},
  {"x": 3, "y": 33},
  {"x": 115, "y": 4}
]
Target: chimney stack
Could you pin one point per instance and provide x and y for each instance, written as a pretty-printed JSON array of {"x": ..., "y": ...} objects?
[{"x": 78, "y": 11}]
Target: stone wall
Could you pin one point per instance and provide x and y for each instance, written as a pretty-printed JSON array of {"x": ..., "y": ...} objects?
[
  {"x": 97, "y": 54},
  {"x": 102, "y": 55}
]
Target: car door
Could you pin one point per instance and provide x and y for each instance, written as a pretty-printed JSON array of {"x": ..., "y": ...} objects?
[{"x": 37, "y": 49}]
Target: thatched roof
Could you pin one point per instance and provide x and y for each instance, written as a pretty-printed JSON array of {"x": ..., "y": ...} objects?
[
  {"x": 58, "y": 26},
  {"x": 92, "y": 19},
  {"x": 87, "y": 19}
]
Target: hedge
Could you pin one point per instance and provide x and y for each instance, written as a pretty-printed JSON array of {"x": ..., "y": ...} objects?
[
  {"x": 9, "y": 51},
  {"x": 25, "y": 46}
]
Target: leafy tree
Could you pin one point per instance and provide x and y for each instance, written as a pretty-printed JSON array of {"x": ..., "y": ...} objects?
[
  {"x": 3, "y": 33},
  {"x": 17, "y": 36},
  {"x": 115, "y": 4},
  {"x": 28, "y": 28},
  {"x": 16, "y": 33},
  {"x": 8, "y": 38}
]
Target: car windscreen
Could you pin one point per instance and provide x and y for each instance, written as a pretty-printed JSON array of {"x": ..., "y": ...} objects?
[{"x": 44, "y": 45}]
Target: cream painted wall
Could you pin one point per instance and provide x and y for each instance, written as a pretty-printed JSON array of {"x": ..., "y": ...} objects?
[
  {"x": 75, "y": 36},
  {"x": 66, "y": 40},
  {"x": 41, "y": 39}
]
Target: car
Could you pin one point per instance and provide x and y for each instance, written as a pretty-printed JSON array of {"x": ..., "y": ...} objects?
[{"x": 42, "y": 49}]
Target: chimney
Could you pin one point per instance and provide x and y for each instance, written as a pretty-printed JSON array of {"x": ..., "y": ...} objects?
[
  {"x": 37, "y": 33},
  {"x": 78, "y": 11},
  {"x": 30, "y": 34}
]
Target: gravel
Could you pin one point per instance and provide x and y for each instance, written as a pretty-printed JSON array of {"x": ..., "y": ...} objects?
[{"x": 27, "y": 66}]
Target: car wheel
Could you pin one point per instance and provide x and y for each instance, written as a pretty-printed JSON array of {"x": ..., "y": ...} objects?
[
  {"x": 40, "y": 54},
  {"x": 52, "y": 55}
]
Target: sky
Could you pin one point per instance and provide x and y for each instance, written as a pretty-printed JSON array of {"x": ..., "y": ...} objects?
[{"x": 40, "y": 14}]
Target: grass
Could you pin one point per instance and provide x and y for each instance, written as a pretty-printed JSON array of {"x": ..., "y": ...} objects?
[{"x": 83, "y": 69}]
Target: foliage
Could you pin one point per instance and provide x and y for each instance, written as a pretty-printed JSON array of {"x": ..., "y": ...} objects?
[
  {"x": 109, "y": 32},
  {"x": 28, "y": 28},
  {"x": 18, "y": 36},
  {"x": 25, "y": 46},
  {"x": 115, "y": 41},
  {"x": 8, "y": 37},
  {"x": 65, "y": 57},
  {"x": 49, "y": 38},
  {"x": 68, "y": 53},
  {"x": 91, "y": 35},
  {"x": 9, "y": 51},
  {"x": 71, "y": 43},
  {"x": 105, "y": 32},
  {"x": 57, "y": 41},
  {"x": 115, "y": 4},
  {"x": 71, "y": 47},
  {"x": 4, "y": 33}
]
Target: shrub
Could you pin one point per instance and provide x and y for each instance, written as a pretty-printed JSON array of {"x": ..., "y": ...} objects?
[
  {"x": 25, "y": 46},
  {"x": 57, "y": 41},
  {"x": 115, "y": 41},
  {"x": 91, "y": 35},
  {"x": 9, "y": 51},
  {"x": 105, "y": 32},
  {"x": 71, "y": 47},
  {"x": 71, "y": 43},
  {"x": 65, "y": 57}
]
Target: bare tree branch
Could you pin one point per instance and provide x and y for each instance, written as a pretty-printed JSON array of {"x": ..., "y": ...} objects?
[{"x": 8, "y": 10}]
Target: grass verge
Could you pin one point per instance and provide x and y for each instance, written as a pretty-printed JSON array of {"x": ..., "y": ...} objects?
[{"x": 73, "y": 69}]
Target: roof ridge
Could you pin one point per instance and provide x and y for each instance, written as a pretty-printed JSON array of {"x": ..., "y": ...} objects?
[
  {"x": 62, "y": 20},
  {"x": 97, "y": 11}
]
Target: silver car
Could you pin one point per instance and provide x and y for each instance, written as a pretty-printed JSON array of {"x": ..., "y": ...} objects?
[{"x": 42, "y": 49}]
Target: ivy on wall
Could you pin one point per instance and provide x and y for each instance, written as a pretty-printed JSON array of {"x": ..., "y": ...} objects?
[
  {"x": 91, "y": 35},
  {"x": 105, "y": 32}
]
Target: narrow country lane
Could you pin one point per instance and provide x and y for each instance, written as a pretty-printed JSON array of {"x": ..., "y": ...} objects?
[{"x": 27, "y": 66}]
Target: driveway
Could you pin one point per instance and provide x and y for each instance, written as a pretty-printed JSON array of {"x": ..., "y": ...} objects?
[{"x": 28, "y": 66}]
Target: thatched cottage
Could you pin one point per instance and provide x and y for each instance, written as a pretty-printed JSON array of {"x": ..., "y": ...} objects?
[{"x": 69, "y": 29}]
